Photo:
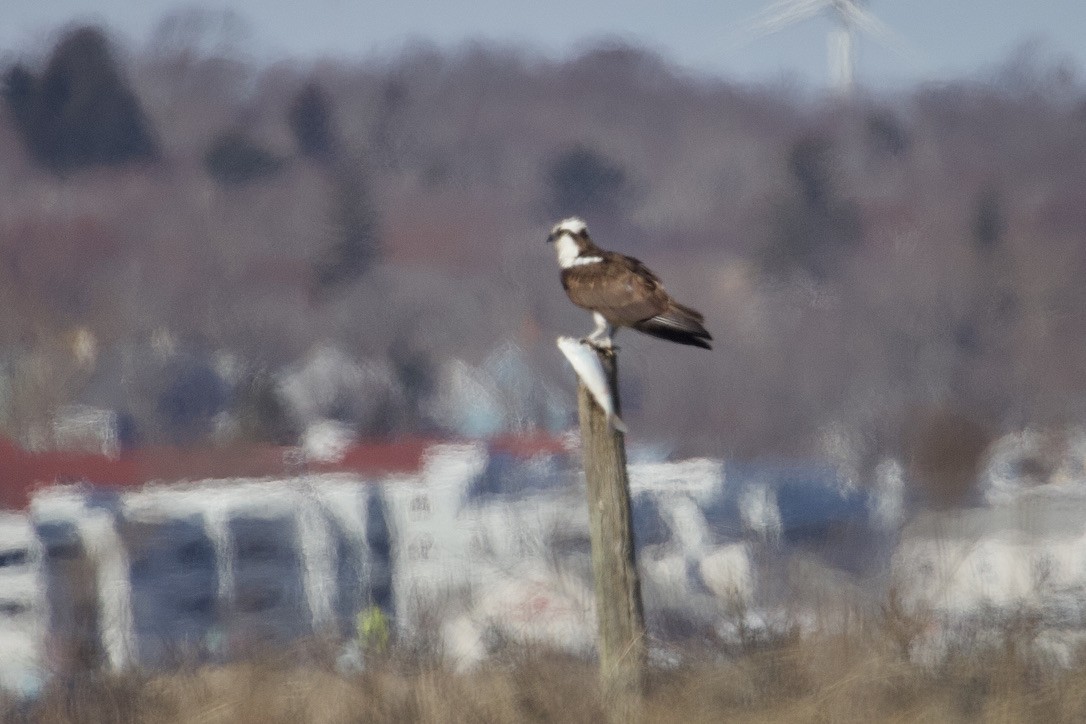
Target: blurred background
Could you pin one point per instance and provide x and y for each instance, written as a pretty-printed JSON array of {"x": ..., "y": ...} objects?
[
  {"x": 197, "y": 226},
  {"x": 248, "y": 226}
]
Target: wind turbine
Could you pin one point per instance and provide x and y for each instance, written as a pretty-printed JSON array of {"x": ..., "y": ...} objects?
[{"x": 850, "y": 18}]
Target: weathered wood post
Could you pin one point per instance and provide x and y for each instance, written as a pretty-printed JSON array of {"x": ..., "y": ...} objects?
[{"x": 622, "y": 648}]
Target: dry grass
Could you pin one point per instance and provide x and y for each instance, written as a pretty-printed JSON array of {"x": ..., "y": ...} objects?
[{"x": 859, "y": 677}]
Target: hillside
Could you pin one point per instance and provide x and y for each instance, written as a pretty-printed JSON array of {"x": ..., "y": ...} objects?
[{"x": 876, "y": 271}]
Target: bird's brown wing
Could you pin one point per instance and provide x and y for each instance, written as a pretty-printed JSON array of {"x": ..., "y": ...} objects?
[{"x": 621, "y": 288}]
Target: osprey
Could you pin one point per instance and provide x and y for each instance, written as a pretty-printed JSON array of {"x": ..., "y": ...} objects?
[{"x": 620, "y": 291}]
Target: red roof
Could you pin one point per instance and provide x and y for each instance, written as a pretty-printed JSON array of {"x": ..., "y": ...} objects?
[
  {"x": 527, "y": 446},
  {"x": 374, "y": 458},
  {"x": 22, "y": 471}
]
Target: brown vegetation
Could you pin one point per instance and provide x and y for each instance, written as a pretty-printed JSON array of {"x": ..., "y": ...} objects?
[{"x": 861, "y": 676}]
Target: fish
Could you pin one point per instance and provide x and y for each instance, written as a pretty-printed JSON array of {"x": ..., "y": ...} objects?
[{"x": 586, "y": 363}]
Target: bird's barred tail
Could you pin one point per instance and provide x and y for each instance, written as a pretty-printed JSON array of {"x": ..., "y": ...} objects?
[{"x": 679, "y": 324}]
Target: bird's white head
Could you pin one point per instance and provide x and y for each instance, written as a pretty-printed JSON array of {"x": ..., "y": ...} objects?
[
  {"x": 570, "y": 239},
  {"x": 573, "y": 225}
]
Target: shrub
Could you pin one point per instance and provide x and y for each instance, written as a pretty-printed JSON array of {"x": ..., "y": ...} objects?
[
  {"x": 310, "y": 119},
  {"x": 80, "y": 112},
  {"x": 233, "y": 160},
  {"x": 581, "y": 181}
]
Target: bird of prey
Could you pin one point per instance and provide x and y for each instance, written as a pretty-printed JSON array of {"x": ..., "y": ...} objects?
[{"x": 620, "y": 291}]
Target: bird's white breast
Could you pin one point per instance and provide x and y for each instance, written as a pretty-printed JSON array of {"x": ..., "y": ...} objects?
[{"x": 569, "y": 253}]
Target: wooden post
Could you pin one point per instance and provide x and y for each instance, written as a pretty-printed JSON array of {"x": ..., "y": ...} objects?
[{"x": 619, "y": 610}]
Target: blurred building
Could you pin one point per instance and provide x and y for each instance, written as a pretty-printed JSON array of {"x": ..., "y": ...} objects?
[
  {"x": 476, "y": 543},
  {"x": 972, "y": 575},
  {"x": 23, "y": 606},
  {"x": 87, "y": 429}
]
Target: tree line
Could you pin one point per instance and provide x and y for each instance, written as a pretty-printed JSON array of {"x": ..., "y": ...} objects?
[{"x": 876, "y": 268}]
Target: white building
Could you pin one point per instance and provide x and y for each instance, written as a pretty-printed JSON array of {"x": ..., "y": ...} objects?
[
  {"x": 87, "y": 429},
  {"x": 474, "y": 543},
  {"x": 1027, "y": 554},
  {"x": 86, "y": 575},
  {"x": 206, "y": 569},
  {"x": 972, "y": 572},
  {"x": 222, "y": 565},
  {"x": 23, "y": 611},
  {"x": 434, "y": 546}
]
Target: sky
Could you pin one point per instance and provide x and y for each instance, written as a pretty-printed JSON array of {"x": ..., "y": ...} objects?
[{"x": 947, "y": 39}]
